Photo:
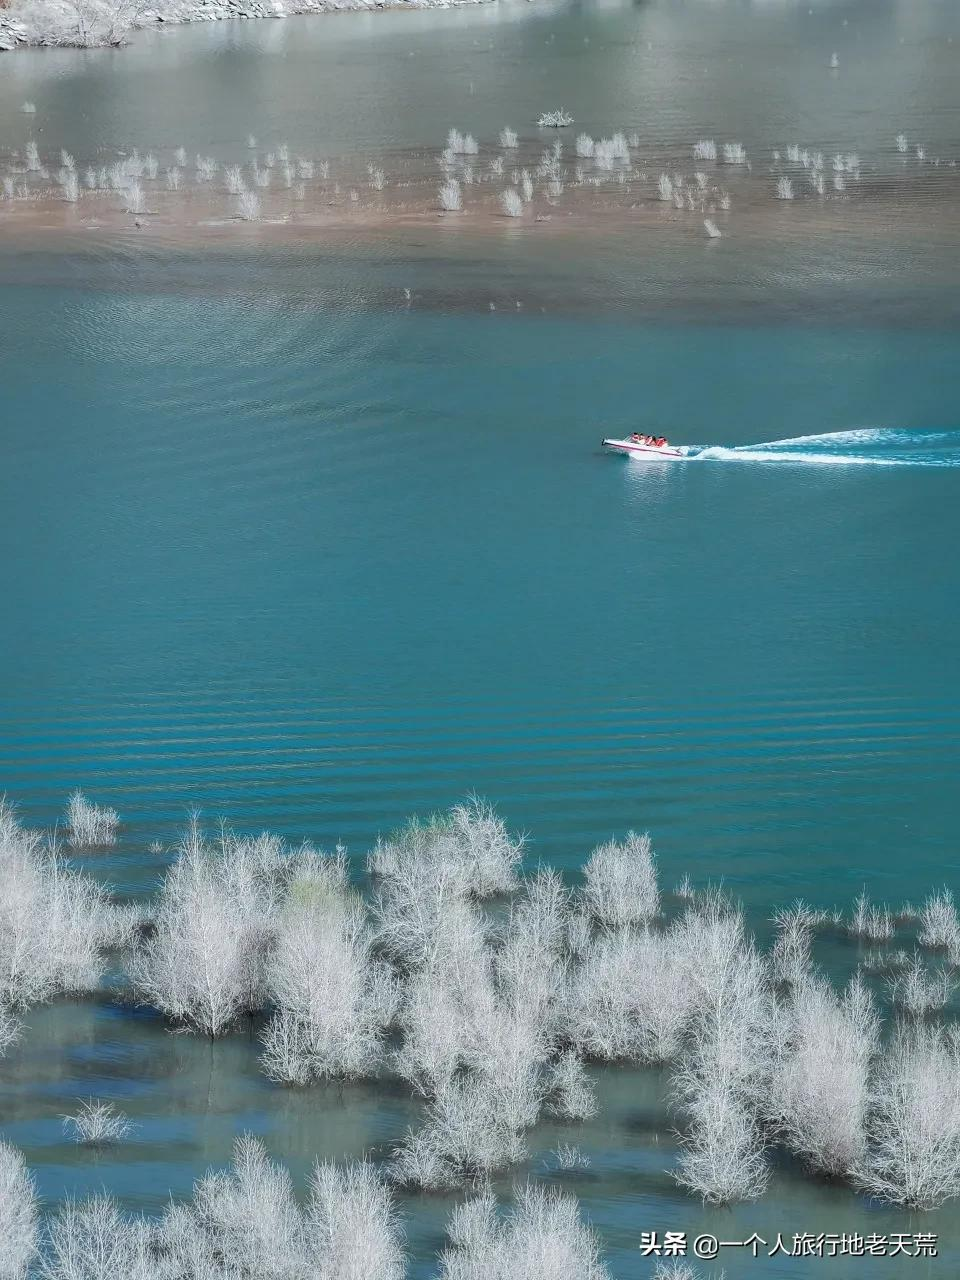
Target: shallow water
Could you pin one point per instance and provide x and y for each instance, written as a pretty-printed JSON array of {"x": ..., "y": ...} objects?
[{"x": 286, "y": 545}]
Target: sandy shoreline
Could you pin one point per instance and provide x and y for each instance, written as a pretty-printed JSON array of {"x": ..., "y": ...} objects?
[{"x": 193, "y": 218}]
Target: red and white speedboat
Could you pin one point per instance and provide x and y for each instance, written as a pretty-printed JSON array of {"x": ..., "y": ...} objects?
[{"x": 638, "y": 449}]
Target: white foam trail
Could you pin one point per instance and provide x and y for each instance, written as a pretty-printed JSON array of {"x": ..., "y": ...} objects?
[
  {"x": 862, "y": 446},
  {"x": 861, "y": 435},
  {"x": 748, "y": 453}
]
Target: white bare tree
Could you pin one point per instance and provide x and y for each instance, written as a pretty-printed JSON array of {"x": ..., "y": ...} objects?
[
  {"x": 204, "y": 964},
  {"x": 55, "y": 923},
  {"x": 18, "y": 1214},
  {"x": 819, "y": 1089},
  {"x": 80, "y": 23},
  {"x": 351, "y": 1227},
  {"x": 621, "y": 882},
  {"x": 334, "y": 1000},
  {"x": 913, "y": 1153},
  {"x": 543, "y": 1237}
]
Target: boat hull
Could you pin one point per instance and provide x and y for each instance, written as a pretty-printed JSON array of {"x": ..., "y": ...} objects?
[{"x": 646, "y": 452}]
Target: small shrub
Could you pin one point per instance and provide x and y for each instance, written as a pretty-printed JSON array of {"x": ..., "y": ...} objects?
[
  {"x": 233, "y": 179},
  {"x": 868, "y": 921},
  {"x": 790, "y": 958},
  {"x": 248, "y": 206},
  {"x": 461, "y": 144},
  {"x": 511, "y": 203},
  {"x": 939, "y": 925},
  {"x": 449, "y": 196},
  {"x": 97, "y": 1124},
  {"x": 568, "y": 1157},
  {"x": 919, "y": 992},
  {"x": 558, "y": 119}
]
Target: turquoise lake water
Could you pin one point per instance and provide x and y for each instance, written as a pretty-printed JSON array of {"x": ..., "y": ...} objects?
[{"x": 283, "y": 544}]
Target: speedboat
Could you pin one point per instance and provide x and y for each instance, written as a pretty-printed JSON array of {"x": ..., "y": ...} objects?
[{"x": 637, "y": 449}]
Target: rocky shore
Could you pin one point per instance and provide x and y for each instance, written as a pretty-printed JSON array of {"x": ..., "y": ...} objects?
[{"x": 16, "y": 32}]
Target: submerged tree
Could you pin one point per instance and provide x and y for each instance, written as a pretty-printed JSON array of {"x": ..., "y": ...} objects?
[
  {"x": 542, "y": 1237},
  {"x": 819, "y": 1090},
  {"x": 334, "y": 1000},
  {"x": 18, "y": 1214},
  {"x": 204, "y": 964},
  {"x": 913, "y": 1153},
  {"x": 55, "y": 923}
]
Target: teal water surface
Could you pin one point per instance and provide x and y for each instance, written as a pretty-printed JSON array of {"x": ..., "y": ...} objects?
[{"x": 320, "y": 568}]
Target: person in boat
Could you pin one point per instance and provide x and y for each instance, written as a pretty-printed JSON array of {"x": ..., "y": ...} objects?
[{"x": 636, "y": 438}]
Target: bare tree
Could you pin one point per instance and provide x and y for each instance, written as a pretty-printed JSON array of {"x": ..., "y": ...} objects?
[
  {"x": 630, "y": 998},
  {"x": 790, "y": 958},
  {"x": 90, "y": 825},
  {"x": 621, "y": 882},
  {"x": 471, "y": 839},
  {"x": 542, "y": 1238},
  {"x": 939, "y": 925},
  {"x": 334, "y": 1000},
  {"x": 919, "y": 991},
  {"x": 249, "y": 1216},
  {"x": 819, "y": 1090},
  {"x": 80, "y": 23},
  {"x": 727, "y": 1065},
  {"x": 18, "y": 1214},
  {"x": 913, "y": 1154},
  {"x": 204, "y": 964},
  {"x": 92, "y": 1240},
  {"x": 55, "y": 923},
  {"x": 352, "y": 1231}
]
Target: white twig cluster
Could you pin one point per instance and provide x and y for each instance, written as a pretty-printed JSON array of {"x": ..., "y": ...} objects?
[
  {"x": 97, "y": 1124},
  {"x": 450, "y": 196},
  {"x": 88, "y": 824},
  {"x": 558, "y": 119}
]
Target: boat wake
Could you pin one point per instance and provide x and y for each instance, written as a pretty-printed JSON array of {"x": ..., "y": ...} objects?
[{"x": 868, "y": 446}]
